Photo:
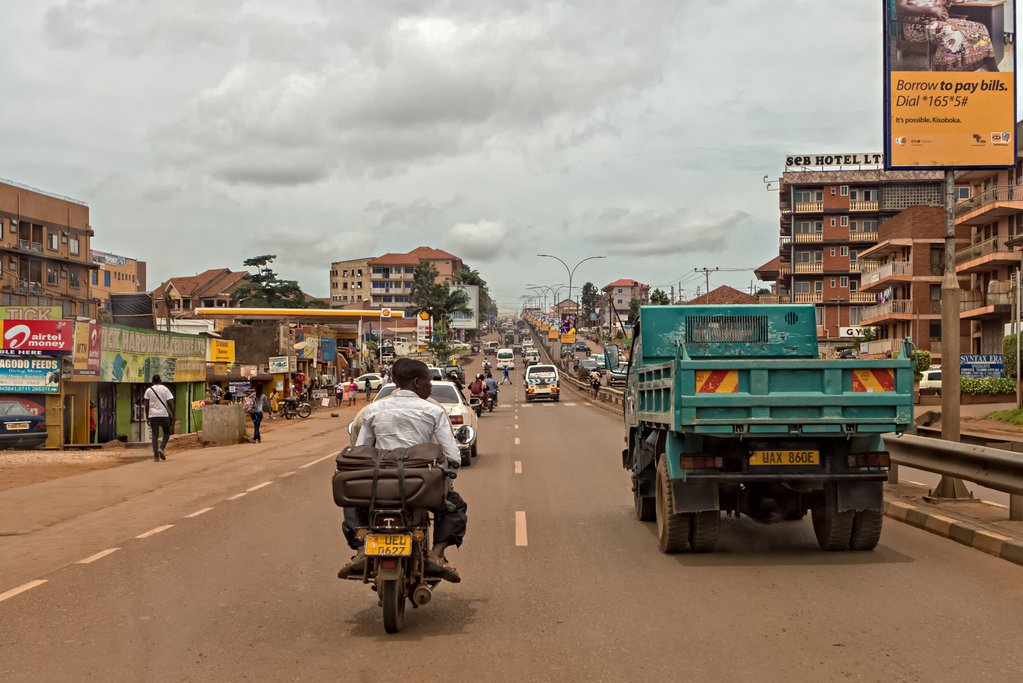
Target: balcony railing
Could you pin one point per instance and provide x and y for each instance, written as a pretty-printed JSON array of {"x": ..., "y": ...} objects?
[
  {"x": 980, "y": 249},
  {"x": 804, "y": 237},
  {"x": 862, "y": 236},
  {"x": 784, "y": 268},
  {"x": 26, "y": 245},
  {"x": 770, "y": 299},
  {"x": 972, "y": 300},
  {"x": 856, "y": 266},
  {"x": 1000, "y": 193},
  {"x": 891, "y": 269},
  {"x": 26, "y": 287},
  {"x": 894, "y": 307},
  {"x": 809, "y": 207},
  {"x": 815, "y": 298},
  {"x": 784, "y": 242},
  {"x": 810, "y": 267},
  {"x": 862, "y": 298},
  {"x": 863, "y": 205}
]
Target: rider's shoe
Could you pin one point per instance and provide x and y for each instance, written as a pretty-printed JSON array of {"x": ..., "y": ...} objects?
[
  {"x": 355, "y": 568},
  {"x": 438, "y": 566}
]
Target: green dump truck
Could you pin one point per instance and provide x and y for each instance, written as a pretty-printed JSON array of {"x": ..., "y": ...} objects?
[{"x": 730, "y": 409}]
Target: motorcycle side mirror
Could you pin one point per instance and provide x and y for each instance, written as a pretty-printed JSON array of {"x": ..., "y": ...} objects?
[{"x": 612, "y": 357}]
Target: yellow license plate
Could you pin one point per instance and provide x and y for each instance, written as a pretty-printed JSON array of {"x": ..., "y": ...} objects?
[
  {"x": 389, "y": 545},
  {"x": 11, "y": 426},
  {"x": 785, "y": 458}
]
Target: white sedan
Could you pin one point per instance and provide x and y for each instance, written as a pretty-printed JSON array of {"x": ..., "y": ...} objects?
[{"x": 375, "y": 381}]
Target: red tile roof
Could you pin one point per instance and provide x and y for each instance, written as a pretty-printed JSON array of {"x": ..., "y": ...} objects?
[
  {"x": 771, "y": 266},
  {"x": 208, "y": 283},
  {"x": 413, "y": 257},
  {"x": 625, "y": 283},
  {"x": 724, "y": 295}
]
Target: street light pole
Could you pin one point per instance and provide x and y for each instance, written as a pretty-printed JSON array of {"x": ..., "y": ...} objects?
[{"x": 571, "y": 271}]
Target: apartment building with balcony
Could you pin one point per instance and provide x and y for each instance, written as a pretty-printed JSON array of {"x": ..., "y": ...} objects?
[
  {"x": 45, "y": 259},
  {"x": 827, "y": 219},
  {"x": 349, "y": 282},
  {"x": 391, "y": 275},
  {"x": 903, "y": 272},
  {"x": 620, "y": 293},
  {"x": 991, "y": 210}
]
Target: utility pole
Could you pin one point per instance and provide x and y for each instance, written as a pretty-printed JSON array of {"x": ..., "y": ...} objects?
[
  {"x": 673, "y": 295},
  {"x": 706, "y": 275}
]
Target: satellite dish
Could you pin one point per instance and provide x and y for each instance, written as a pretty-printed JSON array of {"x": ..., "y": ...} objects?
[{"x": 299, "y": 346}]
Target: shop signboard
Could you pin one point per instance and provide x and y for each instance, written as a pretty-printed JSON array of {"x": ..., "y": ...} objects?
[
  {"x": 424, "y": 328},
  {"x": 470, "y": 318},
  {"x": 29, "y": 375},
  {"x": 31, "y": 313},
  {"x": 221, "y": 351},
  {"x": 38, "y": 337},
  {"x": 278, "y": 365},
  {"x": 949, "y": 85},
  {"x": 328, "y": 349},
  {"x": 978, "y": 365},
  {"x": 88, "y": 350},
  {"x": 312, "y": 345},
  {"x": 134, "y": 355},
  {"x": 248, "y": 371}
]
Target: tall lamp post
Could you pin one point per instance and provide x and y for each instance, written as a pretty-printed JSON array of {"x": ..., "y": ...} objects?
[
  {"x": 570, "y": 271},
  {"x": 547, "y": 289}
]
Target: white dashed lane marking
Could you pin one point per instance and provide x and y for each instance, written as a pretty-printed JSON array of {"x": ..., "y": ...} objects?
[
  {"x": 154, "y": 532},
  {"x": 198, "y": 512},
  {"x": 310, "y": 464},
  {"x": 520, "y": 529},
  {"x": 21, "y": 589},
  {"x": 258, "y": 486},
  {"x": 517, "y": 441},
  {"x": 98, "y": 556},
  {"x": 238, "y": 495},
  {"x": 518, "y": 467}
]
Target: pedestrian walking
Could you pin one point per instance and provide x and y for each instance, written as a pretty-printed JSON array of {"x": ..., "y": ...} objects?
[
  {"x": 260, "y": 405},
  {"x": 158, "y": 401},
  {"x": 353, "y": 389},
  {"x": 339, "y": 392},
  {"x": 506, "y": 377},
  {"x": 369, "y": 390}
]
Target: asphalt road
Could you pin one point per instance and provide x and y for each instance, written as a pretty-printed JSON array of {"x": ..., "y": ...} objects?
[{"x": 560, "y": 583}]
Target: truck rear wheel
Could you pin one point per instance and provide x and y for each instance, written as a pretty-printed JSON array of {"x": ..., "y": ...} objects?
[
  {"x": 832, "y": 528},
  {"x": 646, "y": 507},
  {"x": 672, "y": 527},
  {"x": 704, "y": 528},
  {"x": 866, "y": 530}
]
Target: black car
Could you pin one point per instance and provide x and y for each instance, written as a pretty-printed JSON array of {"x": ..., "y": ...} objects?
[
  {"x": 19, "y": 427},
  {"x": 582, "y": 346}
]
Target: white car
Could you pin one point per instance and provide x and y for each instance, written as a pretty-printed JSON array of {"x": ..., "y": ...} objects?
[
  {"x": 375, "y": 381},
  {"x": 505, "y": 359},
  {"x": 930, "y": 383},
  {"x": 459, "y": 413}
]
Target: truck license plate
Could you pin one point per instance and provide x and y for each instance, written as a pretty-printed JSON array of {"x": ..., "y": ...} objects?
[
  {"x": 389, "y": 545},
  {"x": 785, "y": 458}
]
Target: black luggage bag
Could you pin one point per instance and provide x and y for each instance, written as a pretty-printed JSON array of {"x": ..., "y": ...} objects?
[{"x": 421, "y": 468}]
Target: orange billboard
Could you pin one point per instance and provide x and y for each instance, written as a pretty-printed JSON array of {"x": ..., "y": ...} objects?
[{"x": 950, "y": 84}]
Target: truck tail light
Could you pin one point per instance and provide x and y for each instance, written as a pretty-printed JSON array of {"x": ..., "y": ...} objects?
[
  {"x": 869, "y": 460},
  {"x": 702, "y": 462},
  {"x": 456, "y": 419}
]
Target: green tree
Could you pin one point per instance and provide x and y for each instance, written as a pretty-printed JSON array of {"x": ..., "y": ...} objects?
[
  {"x": 634, "y": 311},
  {"x": 264, "y": 289},
  {"x": 488, "y": 308},
  {"x": 439, "y": 299},
  {"x": 589, "y": 301},
  {"x": 657, "y": 298}
]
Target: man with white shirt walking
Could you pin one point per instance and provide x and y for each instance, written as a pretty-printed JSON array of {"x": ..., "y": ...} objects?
[{"x": 160, "y": 413}]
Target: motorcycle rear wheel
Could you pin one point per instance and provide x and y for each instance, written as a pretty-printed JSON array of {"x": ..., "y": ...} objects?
[
  {"x": 288, "y": 414},
  {"x": 392, "y": 599},
  {"x": 305, "y": 410}
]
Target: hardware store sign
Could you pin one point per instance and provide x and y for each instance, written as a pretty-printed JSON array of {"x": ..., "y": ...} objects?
[{"x": 133, "y": 355}]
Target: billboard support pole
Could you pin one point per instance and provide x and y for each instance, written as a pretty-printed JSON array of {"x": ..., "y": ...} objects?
[{"x": 950, "y": 488}]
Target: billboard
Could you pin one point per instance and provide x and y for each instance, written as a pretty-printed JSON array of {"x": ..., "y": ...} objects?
[
  {"x": 85, "y": 360},
  {"x": 38, "y": 337},
  {"x": 567, "y": 330},
  {"x": 29, "y": 375},
  {"x": 278, "y": 365},
  {"x": 949, "y": 84},
  {"x": 981, "y": 365},
  {"x": 471, "y": 319},
  {"x": 133, "y": 355},
  {"x": 220, "y": 351}
]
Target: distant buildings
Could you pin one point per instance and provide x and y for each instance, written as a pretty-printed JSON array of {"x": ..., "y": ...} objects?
[
  {"x": 386, "y": 281},
  {"x": 620, "y": 293},
  {"x": 212, "y": 288},
  {"x": 723, "y": 296},
  {"x": 116, "y": 274}
]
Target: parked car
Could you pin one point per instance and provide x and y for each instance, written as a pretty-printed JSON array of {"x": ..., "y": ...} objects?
[
  {"x": 375, "y": 380},
  {"x": 19, "y": 427},
  {"x": 930, "y": 383},
  {"x": 458, "y": 410}
]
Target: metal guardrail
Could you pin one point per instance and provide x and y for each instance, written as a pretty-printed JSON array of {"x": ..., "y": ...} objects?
[{"x": 990, "y": 467}]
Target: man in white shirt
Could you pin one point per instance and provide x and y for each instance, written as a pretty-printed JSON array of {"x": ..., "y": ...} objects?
[
  {"x": 159, "y": 412},
  {"x": 407, "y": 418}
]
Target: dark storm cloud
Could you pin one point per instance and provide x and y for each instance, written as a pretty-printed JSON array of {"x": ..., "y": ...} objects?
[{"x": 653, "y": 233}]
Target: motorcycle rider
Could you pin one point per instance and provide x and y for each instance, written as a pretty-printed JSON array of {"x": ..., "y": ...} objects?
[
  {"x": 491, "y": 386},
  {"x": 407, "y": 419},
  {"x": 478, "y": 388}
]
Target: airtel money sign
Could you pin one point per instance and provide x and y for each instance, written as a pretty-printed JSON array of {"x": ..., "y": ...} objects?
[{"x": 38, "y": 337}]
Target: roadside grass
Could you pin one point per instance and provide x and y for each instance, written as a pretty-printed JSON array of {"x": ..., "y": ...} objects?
[{"x": 1014, "y": 416}]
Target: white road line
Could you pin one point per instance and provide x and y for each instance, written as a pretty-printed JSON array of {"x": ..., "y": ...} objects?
[
  {"x": 517, "y": 441},
  {"x": 995, "y": 505},
  {"x": 198, "y": 512},
  {"x": 98, "y": 556},
  {"x": 288, "y": 474},
  {"x": 518, "y": 467},
  {"x": 238, "y": 495},
  {"x": 21, "y": 589},
  {"x": 520, "y": 529},
  {"x": 516, "y": 425},
  {"x": 258, "y": 486},
  {"x": 310, "y": 464},
  {"x": 154, "y": 532},
  {"x": 916, "y": 483}
]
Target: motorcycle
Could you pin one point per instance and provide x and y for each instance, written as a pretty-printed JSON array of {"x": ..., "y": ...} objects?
[
  {"x": 489, "y": 401},
  {"x": 476, "y": 403},
  {"x": 291, "y": 407}
]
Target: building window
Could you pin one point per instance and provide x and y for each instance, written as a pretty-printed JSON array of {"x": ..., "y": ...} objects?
[
  {"x": 963, "y": 192},
  {"x": 935, "y": 330},
  {"x": 832, "y": 253},
  {"x": 51, "y": 276},
  {"x": 870, "y": 226},
  {"x": 843, "y": 251},
  {"x": 619, "y": 292},
  {"x": 802, "y": 196},
  {"x": 854, "y": 285},
  {"x": 208, "y": 303},
  {"x": 845, "y": 191},
  {"x": 51, "y": 240},
  {"x": 833, "y": 190},
  {"x": 843, "y": 281},
  {"x": 832, "y": 221},
  {"x": 802, "y": 287},
  {"x": 619, "y": 302},
  {"x": 820, "y": 315},
  {"x": 843, "y": 221},
  {"x": 186, "y": 303},
  {"x": 75, "y": 282},
  {"x": 818, "y": 286},
  {"x": 832, "y": 283},
  {"x": 95, "y": 278},
  {"x": 106, "y": 278},
  {"x": 73, "y": 244}
]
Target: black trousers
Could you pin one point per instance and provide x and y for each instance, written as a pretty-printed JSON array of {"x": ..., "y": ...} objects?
[{"x": 448, "y": 527}]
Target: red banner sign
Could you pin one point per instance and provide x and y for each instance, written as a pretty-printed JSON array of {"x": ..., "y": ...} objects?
[{"x": 38, "y": 337}]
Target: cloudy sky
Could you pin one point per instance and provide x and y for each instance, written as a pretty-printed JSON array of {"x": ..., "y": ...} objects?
[{"x": 201, "y": 133}]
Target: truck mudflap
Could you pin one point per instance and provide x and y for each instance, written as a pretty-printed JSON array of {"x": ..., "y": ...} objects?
[
  {"x": 859, "y": 495},
  {"x": 694, "y": 496}
]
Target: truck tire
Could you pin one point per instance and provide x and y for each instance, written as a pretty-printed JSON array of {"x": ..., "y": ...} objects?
[
  {"x": 866, "y": 530},
  {"x": 704, "y": 528},
  {"x": 832, "y": 528},
  {"x": 672, "y": 527},
  {"x": 645, "y": 506}
]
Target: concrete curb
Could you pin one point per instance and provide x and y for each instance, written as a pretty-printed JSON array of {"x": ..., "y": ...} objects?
[{"x": 992, "y": 543}]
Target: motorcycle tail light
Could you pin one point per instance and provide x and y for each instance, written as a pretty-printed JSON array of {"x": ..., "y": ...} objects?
[
  {"x": 869, "y": 460},
  {"x": 456, "y": 419},
  {"x": 418, "y": 535},
  {"x": 388, "y": 520}
]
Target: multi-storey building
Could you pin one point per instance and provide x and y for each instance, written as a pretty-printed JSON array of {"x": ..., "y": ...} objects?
[
  {"x": 390, "y": 275},
  {"x": 349, "y": 282},
  {"x": 991, "y": 211},
  {"x": 213, "y": 288},
  {"x": 620, "y": 293},
  {"x": 44, "y": 251},
  {"x": 903, "y": 271},
  {"x": 116, "y": 275},
  {"x": 828, "y": 218}
]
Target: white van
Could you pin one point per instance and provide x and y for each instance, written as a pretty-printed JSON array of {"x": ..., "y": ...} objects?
[
  {"x": 542, "y": 382},
  {"x": 505, "y": 359}
]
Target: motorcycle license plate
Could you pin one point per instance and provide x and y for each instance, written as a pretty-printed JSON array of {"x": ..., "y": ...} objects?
[
  {"x": 389, "y": 545},
  {"x": 785, "y": 458}
]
